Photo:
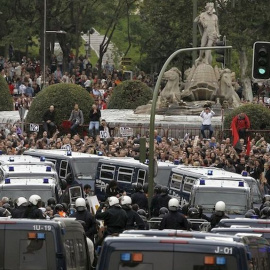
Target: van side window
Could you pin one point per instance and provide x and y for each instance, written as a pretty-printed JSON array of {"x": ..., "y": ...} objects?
[
  {"x": 64, "y": 169},
  {"x": 125, "y": 175},
  {"x": 176, "y": 181},
  {"x": 107, "y": 172},
  {"x": 188, "y": 183},
  {"x": 141, "y": 176},
  {"x": 70, "y": 254}
]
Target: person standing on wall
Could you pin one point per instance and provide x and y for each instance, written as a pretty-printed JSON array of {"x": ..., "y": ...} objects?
[
  {"x": 94, "y": 117},
  {"x": 207, "y": 115},
  {"x": 76, "y": 119}
]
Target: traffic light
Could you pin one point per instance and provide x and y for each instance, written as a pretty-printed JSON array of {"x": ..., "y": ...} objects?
[
  {"x": 221, "y": 52},
  {"x": 261, "y": 60}
]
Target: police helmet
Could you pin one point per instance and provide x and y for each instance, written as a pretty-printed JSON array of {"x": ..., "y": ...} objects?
[
  {"x": 3, "y": 212},
  {"x": 80, "y": 204},
  {"x": 142, "y": 212},
  {"x": 21, "y": 201},
  {"x": 113, "y": 201},
  {"x": 265, "y": 212},
  {"x": 164, "y": 190},
  {"x": 266, "y": 204},
  {"x": 51, "y": 201},
  {"x": 173, "y": 204},
  {"x": 220, "y": 206},
  {"x": 58, "y": 207},
  {"x": 145, "y": 187},
  {"x": 157, "y": 189},
  {"x": 126, "y": 200},
  {"x": 251, "y": 214},
  {"x": 138, "y": 187},
  {"x": 193, "y": 212},
  {"x": 34, "y": 199},
  {"x": 163, "y": 211},
  {"x": 266, "y": 198}
]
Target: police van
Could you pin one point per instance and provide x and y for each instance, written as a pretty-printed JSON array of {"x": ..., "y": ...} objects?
[
  {"x": 41, "y": 244},
  {"x": 245, "y": 222},
  {"x": 182, "y": 179},
  {"x": 172, "y": 253},
  {"x": 25, "y": 176},
  {"x": 75, "y": 167},
  {"x": 127, "y": 171},
  {"x": 235, "y": 194}
]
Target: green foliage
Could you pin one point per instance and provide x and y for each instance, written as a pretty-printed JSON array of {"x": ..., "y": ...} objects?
[
  {"x": 63, "y": 97},
  {"x": 6, "y": 103},
  {"x": 130, "y": 95},
  {"x": 258, "y": 116}
]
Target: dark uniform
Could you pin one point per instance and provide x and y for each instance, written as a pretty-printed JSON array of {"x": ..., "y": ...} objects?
[
  {"x": 134, "y": 221},
  {"x": 140, "y": 198},
  {"x": 90, "y": 226},
  {"x": 154, "y": 207},
  {"x": 216, "y": 218},
  {"x": 33, "y": 212},
  {"x": 174, "y": 220},
  {"x": 115, "y": 218},
  {"x": 18, "y": 212}
]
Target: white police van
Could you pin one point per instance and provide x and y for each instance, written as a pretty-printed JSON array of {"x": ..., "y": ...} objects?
[
  {"x": 25, "y": 176},
  {"x": 182, "y": 179},
  {"x": 74, "y": 167},
  {"x": 235, "y": 194}
]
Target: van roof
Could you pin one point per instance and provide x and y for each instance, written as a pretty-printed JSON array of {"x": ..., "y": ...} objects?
[
  {"x": 125, "y": 162},
  {"x": 29, "y": 169},
  {"x": 204, "y": 183},
  {"x": 209, "y": 172},
  {"x": 27, "y": 224},
  {"x": 60, "y": 153},
  {"x": 28, "y": 181}
]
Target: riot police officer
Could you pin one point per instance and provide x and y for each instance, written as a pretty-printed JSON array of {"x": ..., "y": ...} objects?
[
  {"x": 218, "y": 214},
  {"x": 84, "y": 215},
  {"x": 164, "y": 198},
  {"x": 174, "y": 219},
  {"x": 139, "y": 197},
  {"x": 134, "y": 221},
  {"x": 154, "y": 207},
  {"x": 33, "y": 211},
  {"x": 20, "y": 208},
  {"x": 115, "y": 218}
]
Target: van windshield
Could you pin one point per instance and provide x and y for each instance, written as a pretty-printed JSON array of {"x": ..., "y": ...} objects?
[
  {"x": 85, "y": 167},
  {"x": 236, "y": 203},
  {"x": 44, "y": 193},
  {"x": 160, "y": 260}
]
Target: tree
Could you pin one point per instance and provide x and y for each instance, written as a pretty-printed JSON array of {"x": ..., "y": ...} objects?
[
  {"x": 63, "y": 97},
  {"x": 130, "y": 95},
  {"x": 6, "y": 103},
  {"x": 259, "y": 116}
]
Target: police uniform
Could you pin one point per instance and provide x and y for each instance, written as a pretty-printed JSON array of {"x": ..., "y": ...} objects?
[
  {"x": 134, "y": 220},
  {"x": 18, "y": 212},
  {"x": 140, "y": 198},
  {"x": 115, "y": 218},
  {"x": 33, "y": 212},
  {"x": 90, "y": 222},
  {"x": 174, "y": 220}
]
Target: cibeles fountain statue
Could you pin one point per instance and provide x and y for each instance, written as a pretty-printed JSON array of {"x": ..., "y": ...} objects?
[{"x": 202, "y": 82}]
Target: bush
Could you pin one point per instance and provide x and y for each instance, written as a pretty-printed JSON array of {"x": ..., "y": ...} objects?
[
  {"x": 63, "y": 96},
  {"x": 259, "y": 116},
  {"x": 130, "y": 95},
  {"x": 6, "y": 103}
]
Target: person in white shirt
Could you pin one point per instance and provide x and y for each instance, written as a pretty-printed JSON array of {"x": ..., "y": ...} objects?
[{"x": 207, "y": 115}]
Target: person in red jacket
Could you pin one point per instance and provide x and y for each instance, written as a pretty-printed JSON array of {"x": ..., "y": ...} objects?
[{"x": 239, "y": 126}]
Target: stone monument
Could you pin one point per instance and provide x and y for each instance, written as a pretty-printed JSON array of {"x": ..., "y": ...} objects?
[{"x": 202, "y": 82}]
